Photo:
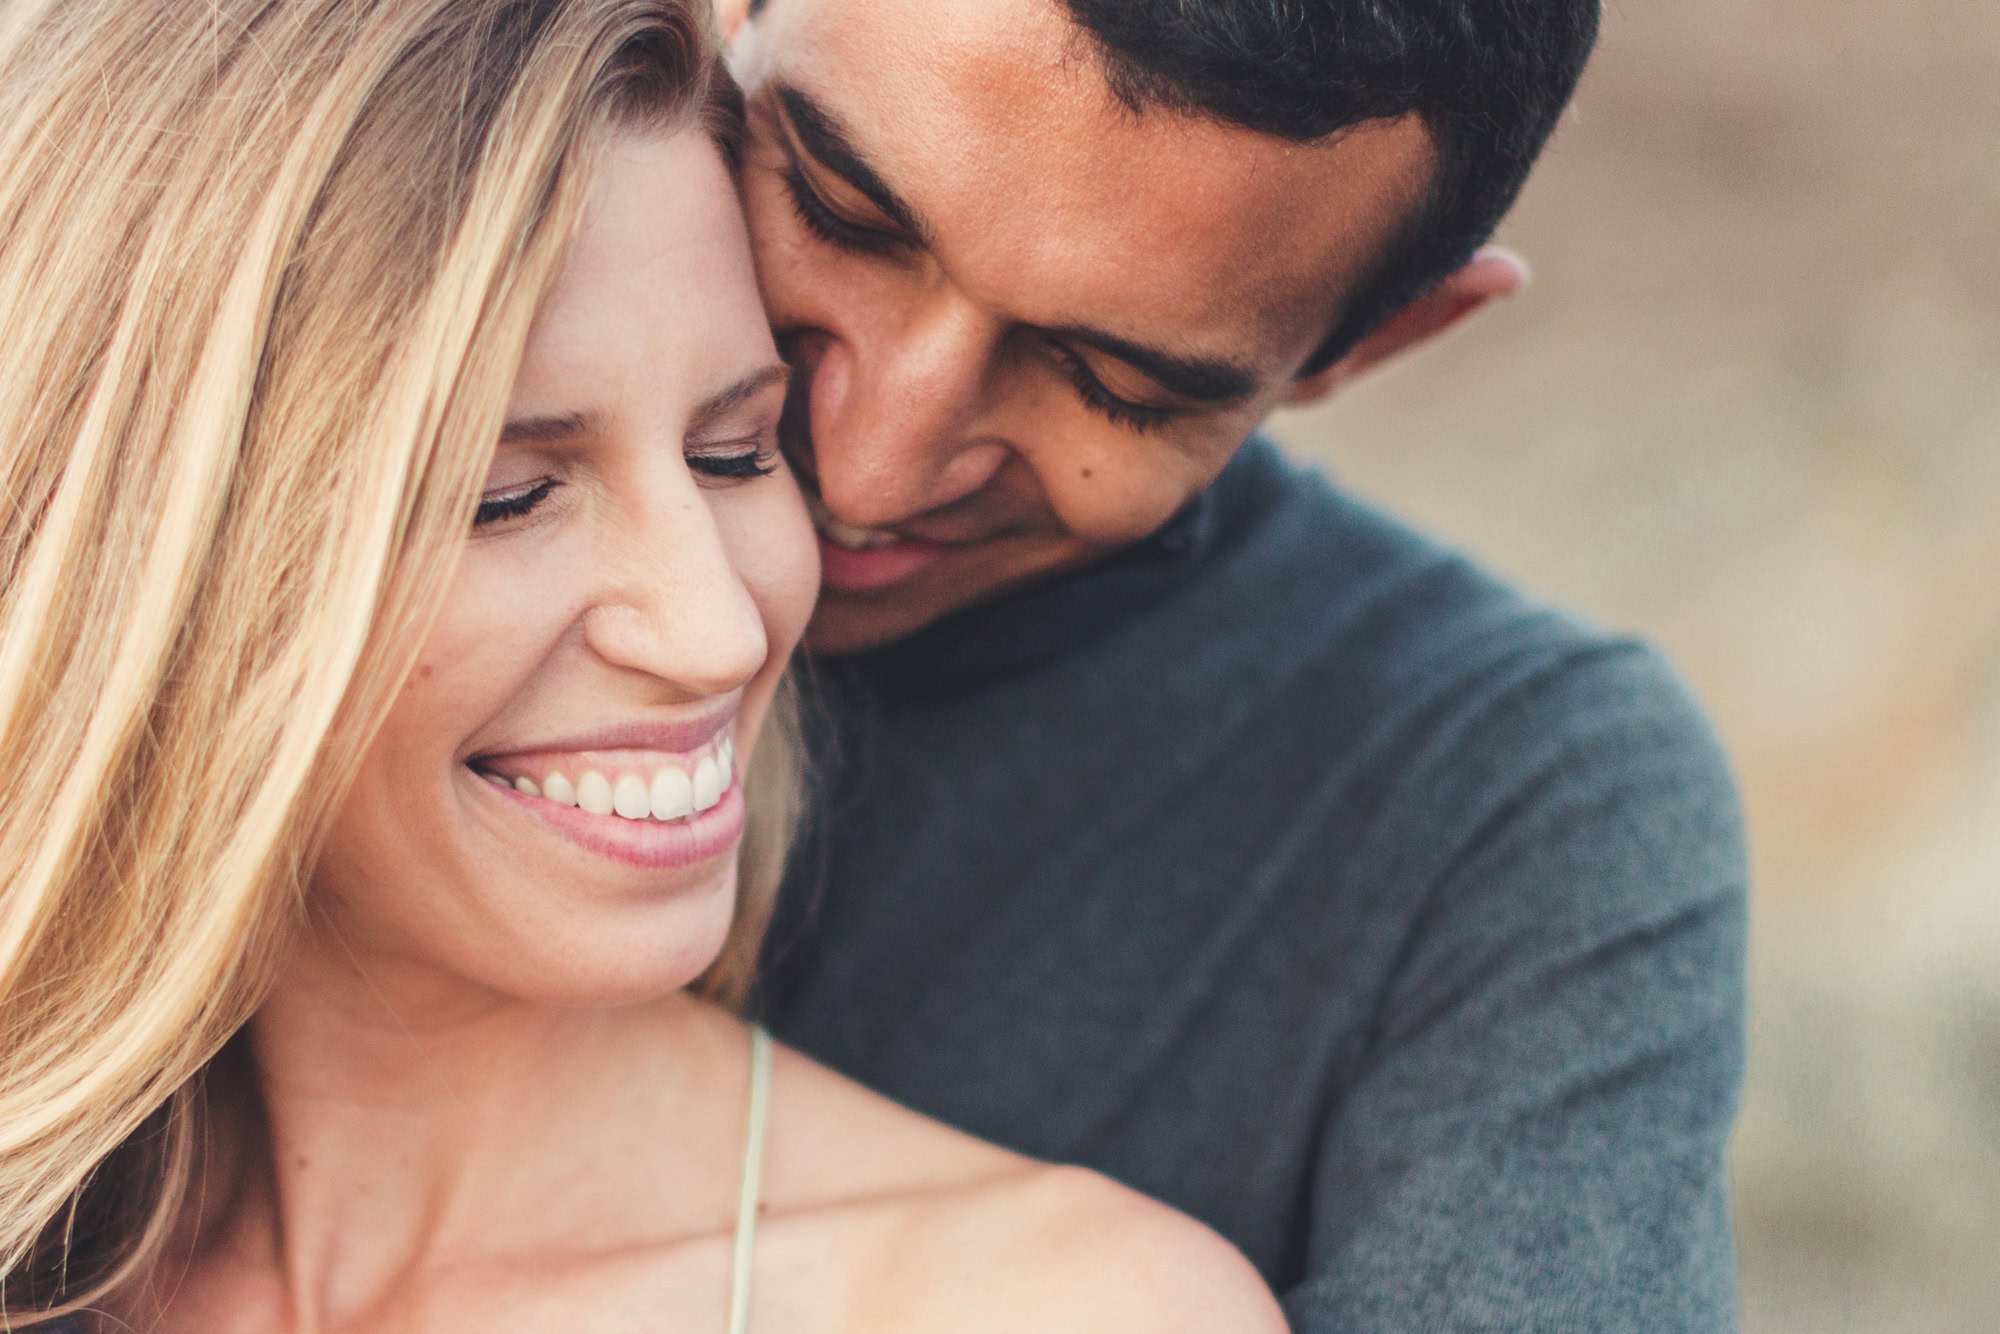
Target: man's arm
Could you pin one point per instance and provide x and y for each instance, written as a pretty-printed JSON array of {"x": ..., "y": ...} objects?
[{"x": 1534, "y": 1139}]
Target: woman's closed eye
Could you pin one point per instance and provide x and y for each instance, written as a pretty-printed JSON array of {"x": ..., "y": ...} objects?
[
  {"x": 733, "y": 461},
  {"x": 513, "y": 503},
  {"x": 723, "y": 462}
]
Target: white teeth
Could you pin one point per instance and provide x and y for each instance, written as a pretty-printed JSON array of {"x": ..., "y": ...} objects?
[
  {"x": 855, "y": 539},
  {"x": 707, "y": 783},
  {"x": 494, "y": 779},
  {"x": 846, "y": 534},
  {"x": 630, "y": 798},
  {"x": 673, "y": 795},
  {"x": 593, "y": 793}
]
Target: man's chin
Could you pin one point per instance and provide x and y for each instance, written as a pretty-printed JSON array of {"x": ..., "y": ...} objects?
[
  {"x": 848, "y": 620},
  {"x": 861, "y": 607},
  {"x": 875, "y": 596},
  {"x": 839, "y": 627}
]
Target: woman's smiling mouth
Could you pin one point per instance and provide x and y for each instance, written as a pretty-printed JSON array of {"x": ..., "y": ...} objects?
[
  {"x": 631, "y": 784},
  {"x": 639, "y": 803}
]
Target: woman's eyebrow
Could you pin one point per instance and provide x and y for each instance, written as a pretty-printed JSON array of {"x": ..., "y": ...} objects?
[
  {"x": 551, "y": 429},
  {"x": 751, "y": 385},
  {"x": 557, "y": 427}
]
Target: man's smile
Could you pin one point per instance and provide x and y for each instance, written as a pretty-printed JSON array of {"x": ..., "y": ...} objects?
[{"x": 862, "y": 560}]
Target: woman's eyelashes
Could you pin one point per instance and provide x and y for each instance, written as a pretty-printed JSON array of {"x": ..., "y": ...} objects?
[
  {"x": 732, "y": 463},
  {"x": 514, "y": 503}
]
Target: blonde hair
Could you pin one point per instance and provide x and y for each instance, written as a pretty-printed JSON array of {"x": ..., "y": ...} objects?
[{"x": 267, "y": 268}]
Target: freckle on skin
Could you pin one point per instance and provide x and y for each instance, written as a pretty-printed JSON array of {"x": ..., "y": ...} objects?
[{"x": 1086, "y": 474}]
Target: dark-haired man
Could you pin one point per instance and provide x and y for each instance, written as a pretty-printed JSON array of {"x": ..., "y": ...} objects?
[{"x": 1185, "y": 817}]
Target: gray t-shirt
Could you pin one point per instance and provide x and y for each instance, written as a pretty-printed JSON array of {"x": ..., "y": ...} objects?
[{"x": 1292, "y": 870}]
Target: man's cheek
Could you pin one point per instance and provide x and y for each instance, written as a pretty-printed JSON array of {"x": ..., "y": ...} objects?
[
  {"x": 1108, "y": 522},
  {"x": 1110, "y": 506}
]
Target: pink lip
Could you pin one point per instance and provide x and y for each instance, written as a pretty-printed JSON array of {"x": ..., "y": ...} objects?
[
  {"x": 683, "y": 738},
  {"x": 649, "y": 844},
  {"x": 848, "y": 571}
]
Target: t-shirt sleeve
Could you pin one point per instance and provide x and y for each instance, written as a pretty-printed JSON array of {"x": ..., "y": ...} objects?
[{"x": 1533, "y": 1136}]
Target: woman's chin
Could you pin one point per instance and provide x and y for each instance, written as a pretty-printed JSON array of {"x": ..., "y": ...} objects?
[
  {"x": 618, "y": 960},
  {"x": 588, "y": 946},
  {"x": 568, "y": 922}
]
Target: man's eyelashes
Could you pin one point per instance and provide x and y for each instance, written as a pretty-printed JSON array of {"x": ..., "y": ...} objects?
[
  {"x": 1136, "y": 417},
  {"x": 830, "y": 227},
  {"x": 853, "y": 238}
]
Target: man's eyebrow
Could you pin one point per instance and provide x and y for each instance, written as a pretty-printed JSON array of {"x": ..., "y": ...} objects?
[
  {"x": 827, "y": 140},
  {"x": 1203, "y": 379},
  {"x": 548, "y": 430},
  {"x": 751, "y": 385}
]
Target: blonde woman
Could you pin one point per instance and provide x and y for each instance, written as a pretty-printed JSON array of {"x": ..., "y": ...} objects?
[{"x": 399, "y": 576}]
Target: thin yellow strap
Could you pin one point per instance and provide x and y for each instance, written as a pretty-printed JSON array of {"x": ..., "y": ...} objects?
[{"x": 753, "y": 1180}]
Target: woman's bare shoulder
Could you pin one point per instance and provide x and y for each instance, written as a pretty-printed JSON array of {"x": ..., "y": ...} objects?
[
  {"x": 834, "y": 1141},
  {"x": 1087, "y": 1254},
  {"x": 972, "y": 1237}
]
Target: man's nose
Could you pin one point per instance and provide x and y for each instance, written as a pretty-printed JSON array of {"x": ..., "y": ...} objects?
[
  {"x": 673, "y": 606},
  {"x": 895, "y": 417}
]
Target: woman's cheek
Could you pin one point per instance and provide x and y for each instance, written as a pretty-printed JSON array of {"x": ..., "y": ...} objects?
[
  {"x": 778, "y": 559},
  {"x": 774, "y": 552},
  {"x": 509, "y": 601}
]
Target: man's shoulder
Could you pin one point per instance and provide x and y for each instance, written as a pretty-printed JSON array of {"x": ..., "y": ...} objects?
[
  {"x": 1299, "y": 567},
  {"x": 1339, "y": 609},
  {"x": 1412, "y": 710}
]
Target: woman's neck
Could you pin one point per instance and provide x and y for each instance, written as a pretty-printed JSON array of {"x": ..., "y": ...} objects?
[{"x": 389, "y": 1126}]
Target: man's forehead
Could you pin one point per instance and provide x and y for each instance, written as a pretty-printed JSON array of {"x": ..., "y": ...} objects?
[{"x": 993, "y": 120}]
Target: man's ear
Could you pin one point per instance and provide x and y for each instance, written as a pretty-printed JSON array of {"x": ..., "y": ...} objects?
[
  {"x": 729, "y": 16},
  {"x": 1491, "y": 275}
]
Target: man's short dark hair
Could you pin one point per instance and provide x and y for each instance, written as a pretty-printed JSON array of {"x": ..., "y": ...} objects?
[{"x": 1489, "y": 79}]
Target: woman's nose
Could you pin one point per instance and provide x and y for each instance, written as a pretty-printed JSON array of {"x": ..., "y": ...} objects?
[{"x": 673, "y": 605}]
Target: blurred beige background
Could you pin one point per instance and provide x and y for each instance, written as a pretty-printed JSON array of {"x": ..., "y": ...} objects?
[{"x": 1751, "y": 409}]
